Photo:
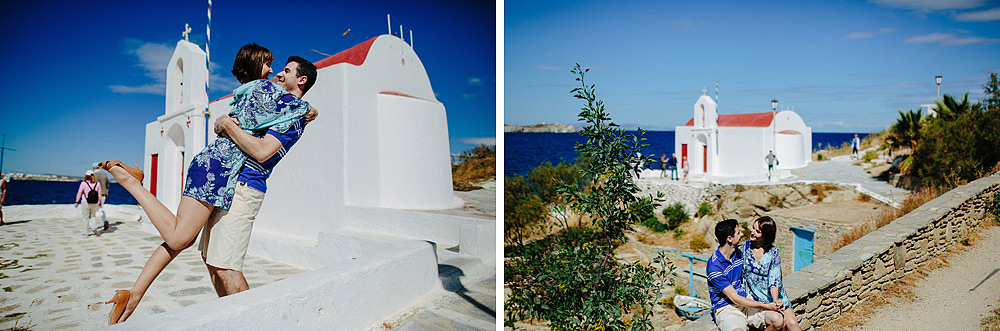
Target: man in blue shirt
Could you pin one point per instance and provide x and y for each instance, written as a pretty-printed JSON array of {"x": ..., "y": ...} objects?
[
  {"x": 730, "y": 306},
  {"x": 226, "y": 235}
]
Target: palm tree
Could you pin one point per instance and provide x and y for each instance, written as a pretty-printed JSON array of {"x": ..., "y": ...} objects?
[
  {"x": 948, "y": 109},
  {"x": 906, "y": 133}
]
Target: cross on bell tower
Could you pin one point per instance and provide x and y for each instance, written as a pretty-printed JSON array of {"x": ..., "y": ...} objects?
[
  {"x": 187, "y": 30},
  {"x": 703, "y": 90}
]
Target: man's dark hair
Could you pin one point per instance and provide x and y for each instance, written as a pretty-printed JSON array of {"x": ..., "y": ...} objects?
[
  {"x": 307, "y": 69},
  {"x": 767, "y": 231},
  {"x": 249, "y": 60},
  {"x": 725, "y": 229}
]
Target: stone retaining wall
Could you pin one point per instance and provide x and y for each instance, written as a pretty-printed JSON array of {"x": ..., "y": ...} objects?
[{"x": 831, "y": 285}]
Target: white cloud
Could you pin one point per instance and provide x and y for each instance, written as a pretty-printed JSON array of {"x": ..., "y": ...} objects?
[
  {"x": 475, "y": 81},
  {"x": 868, "y": 34},
  {"x": 931, "y": 5},
  {"x": 153, "y": 58},
  {"x": 468, "y": 96},
  {"x": 950, "y": 39},
  {"x": 979, "y": 16},
  {"x": 479, "y": 140},
  {"x": 158, "y": 89}
]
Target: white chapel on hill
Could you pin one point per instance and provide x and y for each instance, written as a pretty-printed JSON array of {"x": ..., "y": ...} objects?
[{"x": 734, "y": 145}]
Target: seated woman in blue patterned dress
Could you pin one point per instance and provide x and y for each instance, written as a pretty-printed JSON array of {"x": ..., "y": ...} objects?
[
  {"x": 210, "y": 183},
  {"x": 762, "y": 269}
]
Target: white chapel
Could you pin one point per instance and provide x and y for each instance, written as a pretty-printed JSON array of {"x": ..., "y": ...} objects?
[{"x": 734, "y": 145}]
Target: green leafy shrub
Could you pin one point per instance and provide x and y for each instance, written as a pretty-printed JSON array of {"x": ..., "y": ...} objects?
[
  {"x": 655, "y": 225},
  {"x": 678, "y": 233},
  {"x": 675, "y": 215},
  {"x": 523, "y": 211},
  {"x": 576, "y": 282},
  {"x": 704, "y": 209},
  {"x": 869, "y": 156}
]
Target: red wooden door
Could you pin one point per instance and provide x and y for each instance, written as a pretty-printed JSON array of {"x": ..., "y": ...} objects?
[
  {"x": 684, "y": 154},
  {"x": 152, "y": 173},
  {"x": 704, "y": 159}
]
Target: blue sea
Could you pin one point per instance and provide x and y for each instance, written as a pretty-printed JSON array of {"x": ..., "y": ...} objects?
[
  {"x": 524, "y": 151},
  {"x": 40, "y": 192}
]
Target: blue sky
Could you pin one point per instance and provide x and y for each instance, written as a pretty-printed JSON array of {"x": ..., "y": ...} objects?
[
  {"x": 85, "y": 77},
  {"x": 845, "y": 66}
]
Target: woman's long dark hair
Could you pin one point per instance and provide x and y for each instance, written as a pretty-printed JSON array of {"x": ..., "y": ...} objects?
[
  {"x": 249, "y": 61},
  {"x": 767, "y": 231}
]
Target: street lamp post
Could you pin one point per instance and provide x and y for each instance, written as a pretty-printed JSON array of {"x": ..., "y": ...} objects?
[
  {"x": 938, "y": 80},
  {"x": 774, "y": 124}
]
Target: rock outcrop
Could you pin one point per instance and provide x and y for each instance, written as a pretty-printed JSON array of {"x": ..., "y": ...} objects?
[{"x": 554, "y": 127}]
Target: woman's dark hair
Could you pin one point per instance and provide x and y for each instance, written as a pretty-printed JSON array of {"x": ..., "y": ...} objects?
[
  {"x": 767, "y": 231},
  {"x": 249, "y": 60}
]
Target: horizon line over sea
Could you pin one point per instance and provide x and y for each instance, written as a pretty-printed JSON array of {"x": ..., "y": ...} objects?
[{"x": 524, "y": 151}]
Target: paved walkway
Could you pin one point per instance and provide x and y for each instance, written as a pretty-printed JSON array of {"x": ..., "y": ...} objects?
[
  {"x": 955, "y": 297},
  {"x": 53, "y": 278},
  {"x": 840, "y": 169}
]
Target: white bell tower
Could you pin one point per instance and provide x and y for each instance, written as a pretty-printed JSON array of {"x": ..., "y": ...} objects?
[{"x": 179, "y": 133}]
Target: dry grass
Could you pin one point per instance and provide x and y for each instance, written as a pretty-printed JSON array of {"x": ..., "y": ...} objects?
[
  {"x": 874, "y": 139},
  {"x": 477, "y": 166},
  {"x": 819, "y": 190},
  {"x": 992, "y": 322},
  {"x": 886, "y": 215}
]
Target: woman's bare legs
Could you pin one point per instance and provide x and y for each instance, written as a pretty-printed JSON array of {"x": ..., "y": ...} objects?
[
  {"x": 790, "y": 323},
  {"x": 157, "y": 262},
  {"x": 177, "y": 231}
]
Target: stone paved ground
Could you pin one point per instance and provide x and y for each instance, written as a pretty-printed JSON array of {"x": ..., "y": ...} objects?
[
  {"x": 470, "y": 307},
  {"x": 53, "y": 278}
]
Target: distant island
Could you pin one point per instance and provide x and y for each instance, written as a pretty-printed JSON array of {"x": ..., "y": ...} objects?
[
  {"x": 554, "y": 127},
  {"x": 48, "y": 177}
]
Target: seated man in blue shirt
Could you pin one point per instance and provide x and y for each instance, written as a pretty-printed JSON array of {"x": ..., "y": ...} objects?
[
  {"x": 226, "y": 235},
  {"x": 730, "y": 306}
]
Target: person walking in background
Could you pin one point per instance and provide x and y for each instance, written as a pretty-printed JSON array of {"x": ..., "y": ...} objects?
[
  {"x": 90, "y": 191},
  {"x": 855, "y": 144},
  {"x": 102, "y": 177},
  {"x": 771, "y": 161},
  {"x": 663, "y": 164},
  {"x": 3, "y": 195},
  {"x": 686, "y": 167},
  {"x": 672, "y": 164}
]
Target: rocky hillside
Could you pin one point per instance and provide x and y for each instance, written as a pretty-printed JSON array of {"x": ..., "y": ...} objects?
[{"x": 554, "y": 127}]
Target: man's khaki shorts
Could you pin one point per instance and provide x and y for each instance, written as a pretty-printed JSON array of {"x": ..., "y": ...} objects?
[
  {"x": 226, "y": 235},
  {"x": 732, "y": 318}
]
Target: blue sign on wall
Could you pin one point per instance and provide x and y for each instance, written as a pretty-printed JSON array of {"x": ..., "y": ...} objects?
[{"x": 803, "y": 254}]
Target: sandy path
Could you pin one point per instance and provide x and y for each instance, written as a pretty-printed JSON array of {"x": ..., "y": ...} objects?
[{"x": 955, "y": 297}]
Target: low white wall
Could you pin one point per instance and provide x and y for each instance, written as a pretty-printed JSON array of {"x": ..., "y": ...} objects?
[{"x": 353, "y": 294}]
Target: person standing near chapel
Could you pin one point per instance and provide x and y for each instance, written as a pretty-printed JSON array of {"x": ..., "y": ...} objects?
[
  {"x": 771, "y": 161},
  {"x": 663, "y": 164},
  {"x": 102, "y": 177},
  {"x": 672, "y": 164},
  {"x": 3, "y": 195}
]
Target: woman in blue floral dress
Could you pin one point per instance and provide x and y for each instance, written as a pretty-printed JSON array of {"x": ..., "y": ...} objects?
[
  {"x": 211, "y": 177},
  {"x": 762, "y": 269}
]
